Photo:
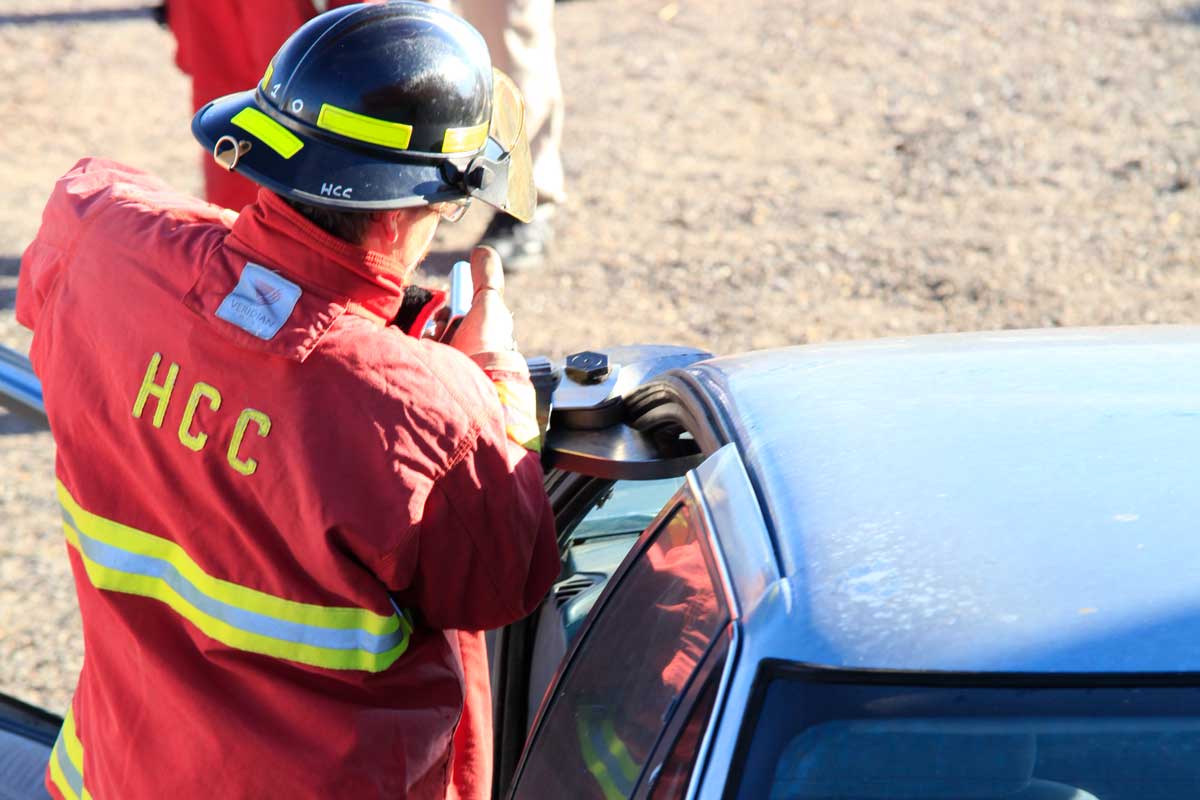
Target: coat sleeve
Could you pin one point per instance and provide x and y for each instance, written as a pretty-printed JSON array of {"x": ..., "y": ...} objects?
[{"x": 486, "y": 551}]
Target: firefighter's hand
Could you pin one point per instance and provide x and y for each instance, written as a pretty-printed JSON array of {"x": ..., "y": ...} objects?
[{"x": 488, "y": 326}]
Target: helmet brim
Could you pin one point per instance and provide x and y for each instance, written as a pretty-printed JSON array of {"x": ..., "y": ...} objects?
[{"x": 307, "y": 167}]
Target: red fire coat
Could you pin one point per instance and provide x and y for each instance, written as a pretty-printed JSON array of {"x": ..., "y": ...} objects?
[
  {"x": 280, "y": 511},
  {"x": 225, "y": 46}
]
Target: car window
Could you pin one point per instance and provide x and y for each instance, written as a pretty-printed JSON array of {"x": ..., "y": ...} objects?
[
  {"x": 815, "y": 740},
  {"x": 627, "y": 507},
  {"x": 629, "y": 672}
]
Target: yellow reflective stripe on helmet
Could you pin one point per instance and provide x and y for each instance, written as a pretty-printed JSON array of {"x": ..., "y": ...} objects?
[
  {"x": 364, "y": 128},
  {"x": 266, "y": 81},
  {"x": 123, "y": 559},
  {"x": 465, "y": 140},
  {"x": 270, "y": 132}
]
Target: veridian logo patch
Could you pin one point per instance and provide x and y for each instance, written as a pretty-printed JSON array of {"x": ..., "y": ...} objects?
[
  {"x": 261, "y": 302},
  {"x": 267, "y": 295}
]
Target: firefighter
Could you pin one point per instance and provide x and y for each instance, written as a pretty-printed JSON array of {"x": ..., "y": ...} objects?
[
  {"x": 286, "y": 517},
  {"x": 223, "y": 45}
]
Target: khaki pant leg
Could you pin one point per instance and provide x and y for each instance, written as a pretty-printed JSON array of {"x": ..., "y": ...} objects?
[{"x": 520, "y": 37}]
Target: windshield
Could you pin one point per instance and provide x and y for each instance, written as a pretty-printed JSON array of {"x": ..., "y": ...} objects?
[
  {"x": 626, "y": 507},
  {"x": 890, "y": 742}
]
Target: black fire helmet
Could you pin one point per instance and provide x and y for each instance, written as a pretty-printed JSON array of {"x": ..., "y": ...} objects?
[{"x": 378, "y": 106}]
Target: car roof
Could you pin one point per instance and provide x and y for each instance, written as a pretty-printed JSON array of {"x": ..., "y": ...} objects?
[{"x": 1025, "y": 501}]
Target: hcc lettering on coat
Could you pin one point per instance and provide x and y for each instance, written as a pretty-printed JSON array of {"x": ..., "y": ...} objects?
[{"x": 190, "y": 434}]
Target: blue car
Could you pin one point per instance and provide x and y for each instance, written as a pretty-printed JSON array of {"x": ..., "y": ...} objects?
[{"x": 962, "y": 567}]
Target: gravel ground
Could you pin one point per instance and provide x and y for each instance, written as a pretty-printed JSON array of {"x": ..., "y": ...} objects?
[{"x": 743, "y": 175}]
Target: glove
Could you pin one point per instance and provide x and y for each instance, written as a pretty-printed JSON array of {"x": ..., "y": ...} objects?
[{"x": 418, "y": 309}]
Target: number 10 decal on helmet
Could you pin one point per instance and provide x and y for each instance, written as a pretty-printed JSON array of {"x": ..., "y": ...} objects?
[{"x": 379, "y": 106}]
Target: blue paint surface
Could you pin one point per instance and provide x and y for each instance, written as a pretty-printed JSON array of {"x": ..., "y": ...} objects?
[{"x": 1019, "y": 501}]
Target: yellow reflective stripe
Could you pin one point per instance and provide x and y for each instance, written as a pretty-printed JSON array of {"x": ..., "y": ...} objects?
[
  {"x": 364, "y": 128},
  {"x": 68, "y": 742},
  {"x": 629, "y": 768},
  {"x": 103, "y": 577},
  {"x": 59, "y": 780},
  {"x": 131, "y": 539},
  {"x": 595, "y": 764},
  {"x": 71, "y": 740},
  {"x": 519, "y": 402},
  {"x": 463, "y": 140},
  {"x": 122, "y": 559},
  {"x": 74, "y": 748},
  {"x": 272, "y": 134},
  {"x": 266, "y": 81}
]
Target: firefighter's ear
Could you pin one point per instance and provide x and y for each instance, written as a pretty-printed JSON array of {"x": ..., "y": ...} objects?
[
  {"x": 397, "y": 223},
  {"x": 391, "y": 228}
]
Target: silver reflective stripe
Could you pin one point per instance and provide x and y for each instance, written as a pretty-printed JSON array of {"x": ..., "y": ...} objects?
[
  {"x": 74, "y": 779},
  {"x": 241, "y": 618},
  {"x": 118, "y": 558}
]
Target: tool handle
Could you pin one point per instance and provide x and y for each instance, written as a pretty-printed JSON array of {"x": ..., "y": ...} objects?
[{"x": 462, "y": 290}]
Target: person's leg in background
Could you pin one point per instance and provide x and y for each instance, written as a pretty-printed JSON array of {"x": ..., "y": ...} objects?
[
  {"x": 224, "y": 46},
  {"x": 520, "y": 37}
]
